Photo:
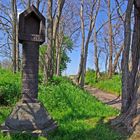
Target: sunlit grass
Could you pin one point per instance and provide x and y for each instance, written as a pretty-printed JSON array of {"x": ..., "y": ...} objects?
[{"x": 111, "y": 85}]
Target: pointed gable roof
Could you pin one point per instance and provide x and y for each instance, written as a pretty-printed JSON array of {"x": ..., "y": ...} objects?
[{"x": 34, "y": 10}]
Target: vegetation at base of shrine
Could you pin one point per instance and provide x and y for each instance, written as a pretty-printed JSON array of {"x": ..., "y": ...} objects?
[
  {"x": 111, "y": 85},
  {"x": 79, "y": 115}
]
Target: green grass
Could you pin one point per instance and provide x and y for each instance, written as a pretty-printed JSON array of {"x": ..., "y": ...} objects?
[
  {"x": 79, "y": 115},
  {"x": 112, "y": 85},
  {"x": 10, "y": 87}
]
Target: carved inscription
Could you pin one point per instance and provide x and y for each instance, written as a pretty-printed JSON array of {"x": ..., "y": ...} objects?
[{"x": 31, "y": 37}]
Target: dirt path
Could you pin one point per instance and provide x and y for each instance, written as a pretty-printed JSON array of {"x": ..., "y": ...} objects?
[{"x": 105, "y": 97}]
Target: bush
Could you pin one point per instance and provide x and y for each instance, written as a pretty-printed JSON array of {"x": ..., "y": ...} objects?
[
  {"x": 10, "y": 87},
  {"x": 90, "y": 77}
]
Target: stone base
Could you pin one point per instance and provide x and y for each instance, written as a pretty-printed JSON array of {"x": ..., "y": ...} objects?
[{"x": 30, "y": 118}]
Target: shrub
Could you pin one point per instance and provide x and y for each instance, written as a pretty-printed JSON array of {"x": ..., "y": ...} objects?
[{"x": 90, "y": 77}]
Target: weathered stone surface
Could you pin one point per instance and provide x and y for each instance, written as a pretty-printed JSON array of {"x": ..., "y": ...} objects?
[
  {"x": 32, "y": 37},
  {"x": 30, "y": 72},
  {"x": 29, "y": 117},
  {"x": 29, "y": 20}
]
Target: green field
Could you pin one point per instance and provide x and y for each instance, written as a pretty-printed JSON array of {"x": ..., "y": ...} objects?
[
  {"x": 79, "y": 115},
  {"x": 111, "y": 85}
]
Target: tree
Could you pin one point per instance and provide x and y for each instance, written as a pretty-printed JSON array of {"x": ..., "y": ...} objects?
[
  {"x": 96, "y": 58},
  {"x": 108, "y": 36},
  {"x": 68, "y": 31},
  {"x": 53, "y": 19},
  {"x": 48, "y": 56},
  {"x": 14, "y": 34},
  {"x": 110, "y": 39},
  {"x": 59, "y": 42},
  {"x": 129, "y": 117},
  {"x": 9, "y": 26},
  {"x": 5, "y": 28},
  {"x": 92, "y": 11}
]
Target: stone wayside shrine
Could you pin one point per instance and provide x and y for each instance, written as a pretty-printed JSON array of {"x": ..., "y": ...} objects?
[{"x": 29, "y": 115}]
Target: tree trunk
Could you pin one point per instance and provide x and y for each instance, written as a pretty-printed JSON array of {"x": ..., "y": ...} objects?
[
  {"x": 83, "y": 42},
  {"x": 82, "y": 81},
  {"x": 106, "y": 62},
  {"x": 96, "y": 56},
  {"x": 126, "y": 98},
  {"x": 130, "y": 79},
  {"x": 38, "y": 4},
  {"x": 48, "y": 56},
  {"x": 58, "y": 16},
  {"x": 59, "y": 41},
  {"x": 117, "y": 59},
  {"x": 90, "y": 30},
  {"x": 60, "y": 5},
  {"x": 14, "y": 28},
  {"x": 58, "y": 61},
  {"x": 29, "y": 3},
  {"x": 110, "y": 39},
  {"x": 17, "y": 57},
  {"x": 53, "y": 25},
  {"x": 17, "y": 50}
]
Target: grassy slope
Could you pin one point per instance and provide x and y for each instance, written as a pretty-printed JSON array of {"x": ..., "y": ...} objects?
[
  {"x": 112, "y": 85},
  {"x": 79, "y": 115}
]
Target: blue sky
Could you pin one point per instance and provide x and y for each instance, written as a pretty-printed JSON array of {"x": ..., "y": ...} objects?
[
  {"x": 75, "y": 60},
  {"x": 75, "y": 55}
]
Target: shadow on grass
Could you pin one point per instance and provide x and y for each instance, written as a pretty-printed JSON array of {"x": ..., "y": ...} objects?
[
  {"x": 75, "y": 113},
  {"x": 74, "y": 130},
  {"x": 22, "y": 137},
  {"x": 101, "y": 131}
]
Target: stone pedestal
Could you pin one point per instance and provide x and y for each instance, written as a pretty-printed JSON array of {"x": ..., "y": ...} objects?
[{"x": 30, "y": 118}]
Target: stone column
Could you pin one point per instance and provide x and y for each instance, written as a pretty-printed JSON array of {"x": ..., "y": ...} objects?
[
  {"x": 29, "y": 115},
  {"x": 30, "y": 72}
]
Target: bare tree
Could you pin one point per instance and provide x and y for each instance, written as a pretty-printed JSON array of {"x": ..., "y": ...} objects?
[
  {"x": 83, "y": 40},
  {"x": 96, "y": 58},
  {"x": 92, "y": 13},
  {"x": 53, "y": 19},
  {"x": 69, "y": 28},
  {"x": 59, "y": 41},
  {"x": 5, "y": 27},
  {"x": 14, "y": 33},
  {"x": 110, "y": 39},
  {"x": 38, "y": 3},
  {"x": 56, "y": 39},
  {"x": 48, "y": 56}
]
